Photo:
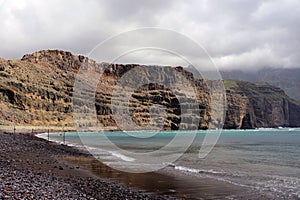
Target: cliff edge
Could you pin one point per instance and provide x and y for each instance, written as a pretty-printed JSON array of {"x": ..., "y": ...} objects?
[{"x": 37, "y": 90}]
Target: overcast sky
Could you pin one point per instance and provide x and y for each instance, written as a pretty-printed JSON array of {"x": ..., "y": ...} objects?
[{"x": 237, "y": 34}]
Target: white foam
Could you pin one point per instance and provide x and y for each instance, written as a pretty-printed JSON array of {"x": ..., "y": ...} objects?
[
  {"x": 114, "y": 154},
  {"x": 186, "y": 169},
  {"x": 266, "y": 129},
  {"x": 45, "y": 137},
  {"x": 193, "y": 170},
  {"x": 42, "y": 135},
  {"x": 123, "y": 157},
  {"x": 208, "y": 173}
]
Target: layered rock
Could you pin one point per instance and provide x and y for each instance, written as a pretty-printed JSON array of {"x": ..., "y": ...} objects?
[
  {"x": 255, "y": 105},
  {"x": 38, "y": 90}
]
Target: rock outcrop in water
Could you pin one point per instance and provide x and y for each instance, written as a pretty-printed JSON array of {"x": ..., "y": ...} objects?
[{"x": 38, "y": 90}]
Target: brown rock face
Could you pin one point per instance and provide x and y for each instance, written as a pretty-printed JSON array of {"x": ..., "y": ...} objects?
[
  {"x": 112, "y": 91},
  {"x": 38, "y": 90},
  {"x": 255, "y": 105},
  {"x": 236, "y": 110}
]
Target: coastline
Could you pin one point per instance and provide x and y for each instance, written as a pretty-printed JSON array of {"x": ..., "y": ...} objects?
[
  {"x": 23, "y": 129},
  {"x": 69, "y": 172},
  {"x": 33, "y": 168}
]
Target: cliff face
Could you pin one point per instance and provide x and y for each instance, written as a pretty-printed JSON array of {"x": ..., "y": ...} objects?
[
  {"x": 38, "y": 90},
  {"x": 254, "y": 105}
]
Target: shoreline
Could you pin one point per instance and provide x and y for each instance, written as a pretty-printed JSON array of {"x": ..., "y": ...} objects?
[
  {"x": 68, "y": 165},
  {"x": 166, "y": 181},
  {"x": 31, "y": 158},
  {"x": 33, "y": 130},
  {"x": 33, "y": 168},
  {"x": 24, "y": 129}
]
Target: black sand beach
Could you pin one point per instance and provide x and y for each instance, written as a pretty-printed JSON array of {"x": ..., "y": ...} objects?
[{"x": 32, "y": 168}]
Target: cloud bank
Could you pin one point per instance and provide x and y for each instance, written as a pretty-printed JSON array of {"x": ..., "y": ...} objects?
[{"x": 245, "y": 35}]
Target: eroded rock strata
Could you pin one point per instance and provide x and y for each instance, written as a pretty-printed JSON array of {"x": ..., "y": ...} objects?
[
  {"x": 38, "y": 90},
  {"x": 254, "y": 105}
]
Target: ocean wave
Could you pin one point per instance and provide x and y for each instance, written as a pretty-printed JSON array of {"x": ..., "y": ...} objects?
[
  {"x": 94, "y": 150},
  {"x": 282, "y": 186},
  {"x": 121, "y": 156},
  {"x": 193, "y": 170},
  {"x": 42, "y": 136}
]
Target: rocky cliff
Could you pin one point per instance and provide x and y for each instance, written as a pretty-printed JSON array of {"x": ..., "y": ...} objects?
[
  {"x": 274, "y": 76},
  {"x": 38, "y": 90},
  {"x": 254, "y": 105}
]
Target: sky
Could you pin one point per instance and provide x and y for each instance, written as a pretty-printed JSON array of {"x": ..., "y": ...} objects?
[{"x": 236, "y": 34}]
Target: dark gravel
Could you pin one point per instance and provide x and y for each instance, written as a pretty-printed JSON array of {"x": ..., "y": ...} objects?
[{"x": 31, "y": 168}]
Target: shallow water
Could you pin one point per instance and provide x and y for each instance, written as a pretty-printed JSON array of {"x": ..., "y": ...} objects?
[{"x": 243, "y": 164}]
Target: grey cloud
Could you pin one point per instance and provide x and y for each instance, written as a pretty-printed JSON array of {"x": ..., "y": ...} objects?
[{"x": 248, "y": 34}]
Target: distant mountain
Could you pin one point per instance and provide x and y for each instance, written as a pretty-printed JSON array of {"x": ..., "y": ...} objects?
[{"x": 286, "y": 79}]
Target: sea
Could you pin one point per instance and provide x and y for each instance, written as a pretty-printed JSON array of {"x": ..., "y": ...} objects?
[{"x": 243, "y": 164}]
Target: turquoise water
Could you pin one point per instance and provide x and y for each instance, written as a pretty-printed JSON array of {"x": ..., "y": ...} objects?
[{"x": 266, "y": 162}]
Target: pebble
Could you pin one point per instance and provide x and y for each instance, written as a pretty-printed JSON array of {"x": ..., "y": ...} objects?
[{"x": 20, "y": 179}]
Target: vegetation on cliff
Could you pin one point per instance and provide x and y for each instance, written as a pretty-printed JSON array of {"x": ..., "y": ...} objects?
[
  {"x": 254, "y": 105},
  {"x": 38, "y": 90},
  {"x": 286, "y": 79}
]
